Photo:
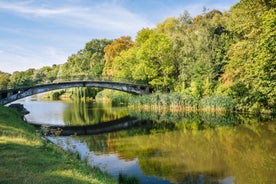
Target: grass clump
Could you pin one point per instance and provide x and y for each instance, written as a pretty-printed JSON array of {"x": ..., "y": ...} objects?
[{"x": 26, "y": 158}]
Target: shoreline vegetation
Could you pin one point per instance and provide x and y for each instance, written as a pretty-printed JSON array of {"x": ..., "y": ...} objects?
[
  {"x": 182, "y": 102},
  {"x": 174, "y": 101},
  {"x": 26, "y": 158}
]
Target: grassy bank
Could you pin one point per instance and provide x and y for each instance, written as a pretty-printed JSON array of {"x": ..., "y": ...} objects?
[{"x": 26, "y": 158}]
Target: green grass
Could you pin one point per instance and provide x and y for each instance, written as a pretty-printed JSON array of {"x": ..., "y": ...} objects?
[{"x": 26, "y": 158}]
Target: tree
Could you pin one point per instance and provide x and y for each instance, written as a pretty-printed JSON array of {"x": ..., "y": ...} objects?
[
  {"x": 155, "y": 57},
  {"x": 112, "y": 51},
  {"x": 200, "y": 44},
  {"x": 4, "y": 80},
  {"x": 45, "y": 74},
  {"x": 87, "y": 62},
  {"x": 250, "y": 72},
  {"x": 264, "y": 66},
  {"x": 168, "y": 26},
  {"x": 21, "y": 79},
  {"x": 94, "y": 54},
  {"x": 125, "y": 64}
]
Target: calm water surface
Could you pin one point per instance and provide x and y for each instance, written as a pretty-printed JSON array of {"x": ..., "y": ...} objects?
[{"x": 167, "y": 147}]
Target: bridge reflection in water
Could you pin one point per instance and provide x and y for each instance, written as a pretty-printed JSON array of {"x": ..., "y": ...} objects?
[{"x": 124, "y": 123}]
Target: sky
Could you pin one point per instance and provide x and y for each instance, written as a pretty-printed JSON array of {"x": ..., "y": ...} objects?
[{"x": 37, "y": 33}]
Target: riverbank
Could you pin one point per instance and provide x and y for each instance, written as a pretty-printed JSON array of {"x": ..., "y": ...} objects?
[
  {"x": 26, "y": 158},
  {"x": 187, "y": 102}
]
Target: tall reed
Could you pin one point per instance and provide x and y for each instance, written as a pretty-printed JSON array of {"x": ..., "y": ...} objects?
[{"x": 181, "y": 101}]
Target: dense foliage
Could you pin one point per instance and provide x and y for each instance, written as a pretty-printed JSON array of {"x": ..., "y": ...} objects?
[{"x": 215, "y": 55}]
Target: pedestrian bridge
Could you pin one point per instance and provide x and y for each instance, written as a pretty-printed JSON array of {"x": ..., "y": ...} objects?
[{"x": 10, "y": 95}]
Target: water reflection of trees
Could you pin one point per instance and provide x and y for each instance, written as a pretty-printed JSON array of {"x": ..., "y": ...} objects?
[
  {"x": 246, "y": 154},
  {"x": 199, "y": 147},
  {"x": 199, "y": 120},
  {"x": 84, "y": 113}
]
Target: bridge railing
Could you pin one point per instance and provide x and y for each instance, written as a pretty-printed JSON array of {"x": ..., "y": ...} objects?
[
  {"x": 98, "y": 78},
  {"x": 80, "y": 78},
  {"x": 92, "y": 78}
]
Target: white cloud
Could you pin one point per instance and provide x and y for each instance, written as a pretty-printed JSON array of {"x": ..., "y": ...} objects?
[
  {"x": 106, "y": 16},
  {"x": 17, "y": 58},
  {"x": 25, "y": 7}
]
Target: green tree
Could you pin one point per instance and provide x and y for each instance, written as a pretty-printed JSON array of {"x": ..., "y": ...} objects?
[
  {"x": 45, "y": 74},
  {"x": 201, "y": 45},
  {"x": 155, "y": 57},
  {"x": 21, "y": 79},
  {"x": 86, "y": 62},
  {"x": 95, "y": 55},
  {"x": 125, "y": 64},
  {"x": 168, "y": 26},
  {"x": 263, "y": 69},
  {"x": 4, "y": 80},
  {"x": 250, "y": 72}
]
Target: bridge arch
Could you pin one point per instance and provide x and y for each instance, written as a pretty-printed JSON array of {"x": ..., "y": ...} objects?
[{"x": 8, "y": 96}]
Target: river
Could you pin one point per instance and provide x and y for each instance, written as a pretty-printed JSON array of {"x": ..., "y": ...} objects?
[{"x": 165, "y": 147}]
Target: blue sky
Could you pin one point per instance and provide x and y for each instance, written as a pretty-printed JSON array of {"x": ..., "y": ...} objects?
[{"x": 37, "y": 33}]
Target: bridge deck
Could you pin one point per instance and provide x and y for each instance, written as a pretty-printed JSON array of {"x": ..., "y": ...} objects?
[{"x": 10, "y": 95}]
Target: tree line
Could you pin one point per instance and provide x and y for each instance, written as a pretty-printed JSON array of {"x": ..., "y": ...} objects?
[{"x": 230, "y": 54}]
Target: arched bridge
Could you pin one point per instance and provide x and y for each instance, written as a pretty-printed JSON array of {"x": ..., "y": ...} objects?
[{"x": 10, "y": 95}]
